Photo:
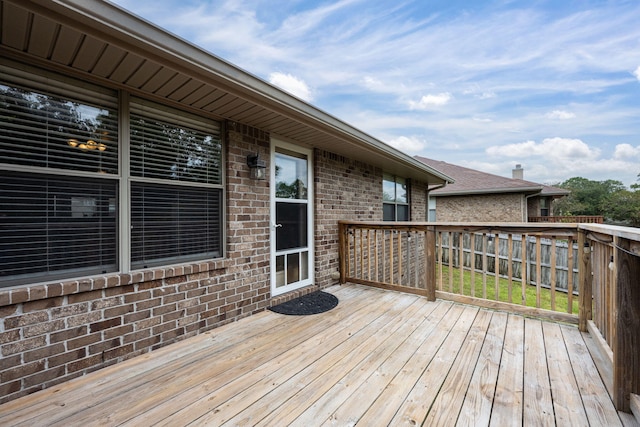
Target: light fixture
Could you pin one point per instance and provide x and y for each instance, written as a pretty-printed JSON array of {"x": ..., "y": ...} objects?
[
  {"x": 612, "y": 265},
  {"x": 258, "y": 167},
  {"x": 86, "y": 146}
]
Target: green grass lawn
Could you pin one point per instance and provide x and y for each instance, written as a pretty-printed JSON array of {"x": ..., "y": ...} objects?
[{"x": 561, "y": 298}]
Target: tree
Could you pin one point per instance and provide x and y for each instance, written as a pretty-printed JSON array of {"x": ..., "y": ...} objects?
[
  {"x": 636, "y": 187},
  {"x": 587, "y": 197},
  {"x": 624, "y": 206}
]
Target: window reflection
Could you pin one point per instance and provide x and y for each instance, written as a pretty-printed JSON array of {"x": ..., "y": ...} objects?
[
  {"x": 291, "y": 177},
  {"x": 45, "y": 130}
]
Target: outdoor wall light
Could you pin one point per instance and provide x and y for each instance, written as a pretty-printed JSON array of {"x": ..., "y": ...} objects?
[{"x": 258, "y": 167}]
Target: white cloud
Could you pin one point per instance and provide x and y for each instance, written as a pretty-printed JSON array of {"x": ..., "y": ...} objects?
[
  {"x": 560, "y": 115},
  {"x": 291, "y": 84},
  {"x": 428, "y": 101},
  {"x": 372, "y": 83},
  {"x": 626, "y": 152},
  {"x": 407, "y": 144},
  {"x": 558, "y": 148},
  {"x": 637, "y": 73},
  {"x": 482, "y": 120},
  {"x": 486, "y": 95}
]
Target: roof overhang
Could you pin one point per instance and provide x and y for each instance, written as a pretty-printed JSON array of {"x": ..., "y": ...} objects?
[
  {"x": 528, "y": 191},
  {"x": 99, "y": 41}
]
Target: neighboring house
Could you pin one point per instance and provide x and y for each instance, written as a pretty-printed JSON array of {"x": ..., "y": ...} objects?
[
  {"x": 483, "y": 197},
  {"x": 151, "y": 191}
]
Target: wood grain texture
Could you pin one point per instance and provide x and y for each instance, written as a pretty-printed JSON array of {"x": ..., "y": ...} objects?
[{"x": 378, "y": 358}]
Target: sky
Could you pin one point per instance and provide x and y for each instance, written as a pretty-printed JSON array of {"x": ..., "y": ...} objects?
[{"x": 552, "y": 85}]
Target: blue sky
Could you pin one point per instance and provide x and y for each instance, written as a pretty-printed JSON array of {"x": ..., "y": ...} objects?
[{"x": 553, "y": 85}]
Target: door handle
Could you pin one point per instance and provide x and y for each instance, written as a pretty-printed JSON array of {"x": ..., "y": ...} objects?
[{"x": 277, "y": 225}]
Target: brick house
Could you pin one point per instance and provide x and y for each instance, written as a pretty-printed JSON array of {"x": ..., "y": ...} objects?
[
  {"x": 152, "y": 191},
  {"x": 483, "y": 197}
]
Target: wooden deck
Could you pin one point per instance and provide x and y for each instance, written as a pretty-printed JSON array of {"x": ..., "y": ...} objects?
[{"x": 379, "y": 358}]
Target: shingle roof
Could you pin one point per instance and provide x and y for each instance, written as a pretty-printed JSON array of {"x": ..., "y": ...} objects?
[{"x": 471, "y": 181}]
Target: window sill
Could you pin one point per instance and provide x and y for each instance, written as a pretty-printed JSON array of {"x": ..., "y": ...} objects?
[{"x": 42, "y": 291}]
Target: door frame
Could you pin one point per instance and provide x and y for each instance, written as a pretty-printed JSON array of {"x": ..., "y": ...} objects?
[{"x": 275, "y": 144}]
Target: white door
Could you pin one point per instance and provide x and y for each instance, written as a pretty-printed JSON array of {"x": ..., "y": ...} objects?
[{"x": 291, "y": 218}]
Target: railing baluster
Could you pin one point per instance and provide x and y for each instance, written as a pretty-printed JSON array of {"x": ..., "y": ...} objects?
[
  {"x": 538, "y": 269},
  {"x": 450, "y": 240},
  {"x": 523, "y": 269},
  {"x": 496, "y": 265},
  {"x": 461, "y": 261},
  {"x": 570, "y": 275},
  {"x": 400, "y": 252},
  {"x": 440, "y": 261},
  {"x": 376, "y": 266},
  {"x": 384, "y": 255},
  {"x": 553, "y": 273},
  {"x": 510, "y": 266},
  {"x": 585, "y": 291},
  {"x": 392, "y": 260},
  {"x": 473, "y": 264},
  {"x": 485, "y": 263}
]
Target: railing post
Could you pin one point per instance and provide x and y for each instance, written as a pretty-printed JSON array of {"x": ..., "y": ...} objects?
[
  {"x": 342, "y": 252},
  {"x": 585, "y": 292},
  {"x": 430, "y": 262},
  {"x": 626, "y": 347}
]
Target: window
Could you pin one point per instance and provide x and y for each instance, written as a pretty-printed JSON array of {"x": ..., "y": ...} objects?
[
  {"x": 544, "y": 206},
  {"x": 395, "y": 198},
  {"x": 58, "y": 180},
  {"x": 176, "y": 186},
  {"x": 64, "y": 196}
]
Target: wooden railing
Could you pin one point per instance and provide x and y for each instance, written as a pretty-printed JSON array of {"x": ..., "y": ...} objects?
[
  {"x": 584, "y": 219},
  {"x": 613, "y": 256},
  {"x": 586, "y": 274}
]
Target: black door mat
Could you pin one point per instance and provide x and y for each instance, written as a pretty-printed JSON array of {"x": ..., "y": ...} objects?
[{"x": 313, "y": 303}]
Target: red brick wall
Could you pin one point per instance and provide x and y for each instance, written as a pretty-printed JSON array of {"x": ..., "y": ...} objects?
[
  {"x": 418, "y": 198},
  {"x": 344, "y": 189},
  {"x": 481, "y": 208}
]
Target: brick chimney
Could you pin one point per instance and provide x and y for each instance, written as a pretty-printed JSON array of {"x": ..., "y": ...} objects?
[{"x": 518, "y": 172}]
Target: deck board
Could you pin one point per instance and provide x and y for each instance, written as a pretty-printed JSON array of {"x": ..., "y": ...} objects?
[{"x": 379, "y": 358}]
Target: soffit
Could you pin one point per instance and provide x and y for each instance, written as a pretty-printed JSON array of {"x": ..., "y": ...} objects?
[{"x": 99, "y": 41}]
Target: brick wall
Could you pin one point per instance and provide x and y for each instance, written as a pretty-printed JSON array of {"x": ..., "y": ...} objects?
[
  {"x": 345, "y": 189},
  {"x": 418, "y": 199},
  {"x": 533, "y": 206},
  {"x": 481, "y": 208},
  {"x": 53, "y": 332}
]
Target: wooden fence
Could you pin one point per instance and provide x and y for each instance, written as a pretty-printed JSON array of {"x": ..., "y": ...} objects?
[{"x": 555, "y": 258}]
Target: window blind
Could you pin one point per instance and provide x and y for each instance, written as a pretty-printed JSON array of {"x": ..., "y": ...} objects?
[
  {"x": 176, "y": 186},
  {"x": 54, "y": 226},
  {"x": 174, "y": 146},
  {"x": 58, "y": 178},
  {"x": 174, "y": 223},
  {"x": 51, "y": 131}
]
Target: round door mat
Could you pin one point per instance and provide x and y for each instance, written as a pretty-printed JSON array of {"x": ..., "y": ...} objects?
[{"x": 313, "y": 303}]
